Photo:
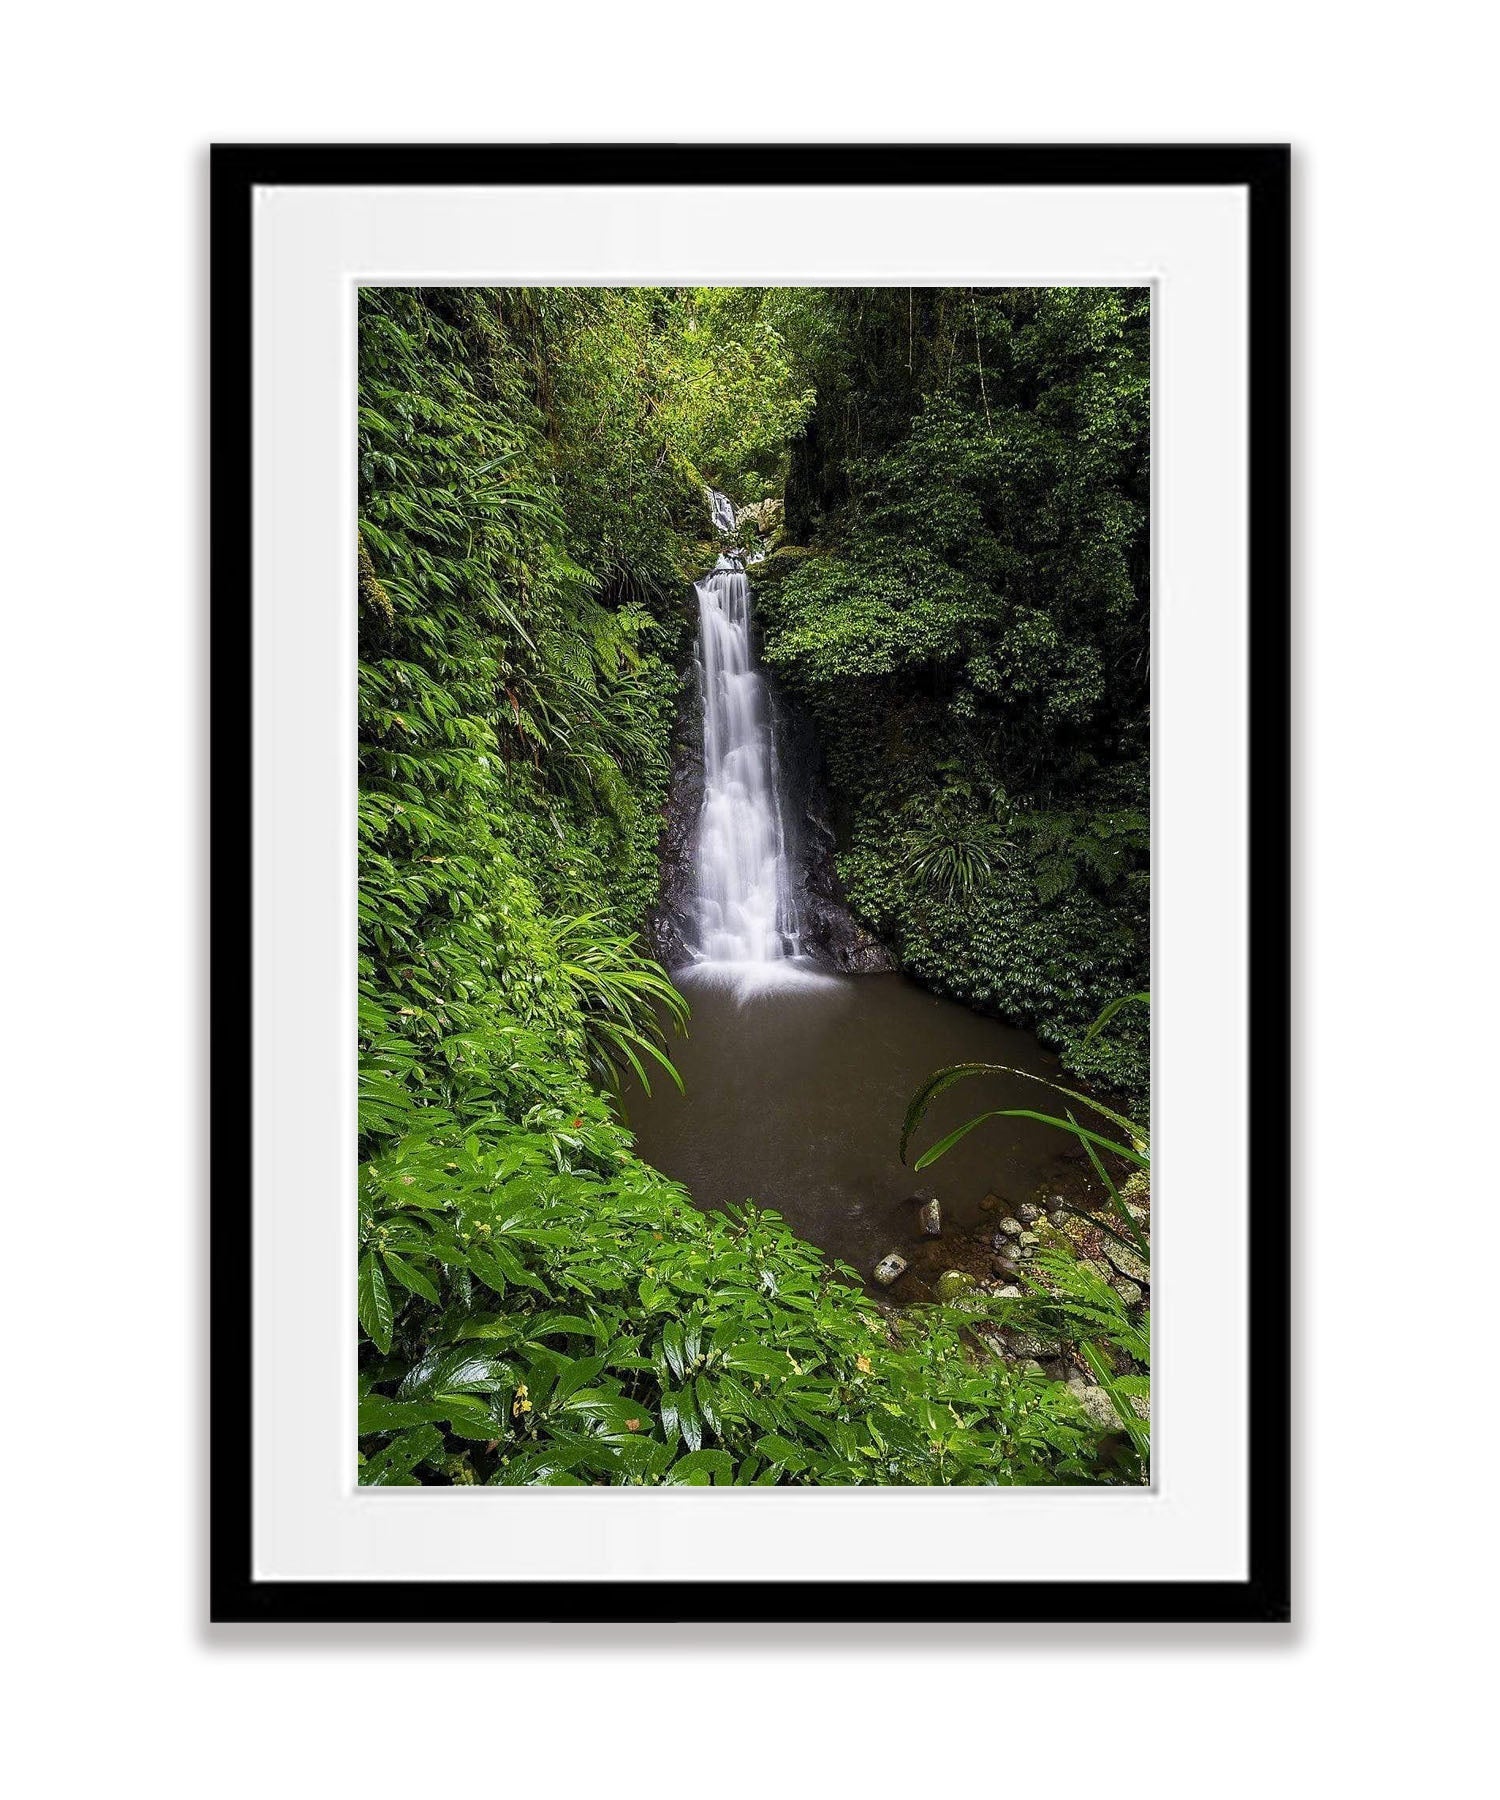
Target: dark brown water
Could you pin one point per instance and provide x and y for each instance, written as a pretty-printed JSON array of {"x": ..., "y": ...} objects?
[{"x": 795, "y": 1097}]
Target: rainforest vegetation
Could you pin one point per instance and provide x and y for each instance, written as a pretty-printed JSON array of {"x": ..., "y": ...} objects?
[{"x": 947, "y": 494}]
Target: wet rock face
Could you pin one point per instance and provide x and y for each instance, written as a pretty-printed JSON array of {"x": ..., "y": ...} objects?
[{"x": 829, "y": 930}]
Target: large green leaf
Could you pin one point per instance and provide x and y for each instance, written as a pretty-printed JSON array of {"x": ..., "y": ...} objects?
[
  {"x": 611, "y": 1412},
  {"x": 944, "y": 1079},
  {"x": 376, "y": 1413},
  {"x": 700, "y": 1468},
  {"x": 375, "y": 1311},
  {"x": 944, "y": 1145},
  {"x": 758, "y": 1360},
  {"x": 410, "y": 1278},
  {"x": 394, "y": 1465}
]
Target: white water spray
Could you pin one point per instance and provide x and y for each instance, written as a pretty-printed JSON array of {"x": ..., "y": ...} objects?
[{"x": 745, "y": 912}]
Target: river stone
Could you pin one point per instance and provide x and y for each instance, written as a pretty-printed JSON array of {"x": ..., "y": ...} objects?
[
  {"x": 1028, "y": 1237},
  {"x": 1129, "y": 1291},
  {"x": 929, "y": 1214},
  {"x": 1098, "y": 1405},
  {"x": 890, "y": 1268},
  {"x": 989, "y": 1203},
  {"x": 1028, "y": 1212},
  {"x": 1128, "y": 1261},
  {"x": 1101, "y": 1409},
  {"x": 953, "y": 1282},
  {"x": 1022, "y": 1343},
  {"x": 1007, "y": 1293},
  {"x": 1011, "y": 1227}
]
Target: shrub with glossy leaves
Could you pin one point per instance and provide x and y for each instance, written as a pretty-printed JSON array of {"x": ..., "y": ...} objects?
[{"x": 543, "y": 1307}]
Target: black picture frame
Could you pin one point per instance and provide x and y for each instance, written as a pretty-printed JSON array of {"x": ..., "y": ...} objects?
[{"x": 1263, "y": 171}]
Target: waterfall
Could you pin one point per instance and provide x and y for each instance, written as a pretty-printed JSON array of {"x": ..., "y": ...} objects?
[
  {"x": 723, "y": 511},
  {"x": 745, "y": 912}
]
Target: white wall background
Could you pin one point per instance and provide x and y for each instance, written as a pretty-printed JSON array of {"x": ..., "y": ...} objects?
[{"x": 1377, "y": 1689}]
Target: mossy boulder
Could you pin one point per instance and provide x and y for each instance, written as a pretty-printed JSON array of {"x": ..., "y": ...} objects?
[{"x": 952, "y": 1284}]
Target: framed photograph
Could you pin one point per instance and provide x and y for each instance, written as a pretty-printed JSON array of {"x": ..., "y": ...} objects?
[{"x": 750, "y": 776}]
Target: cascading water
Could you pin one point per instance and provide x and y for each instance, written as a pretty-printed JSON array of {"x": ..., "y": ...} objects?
[
  {"x": 744, "y": 908},
  {"x": 723, "y": 509}
]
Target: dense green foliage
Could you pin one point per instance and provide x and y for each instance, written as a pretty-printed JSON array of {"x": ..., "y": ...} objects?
[
  {"x": 536, "y": 1303},
  {"x": 961, "y": 603}
]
